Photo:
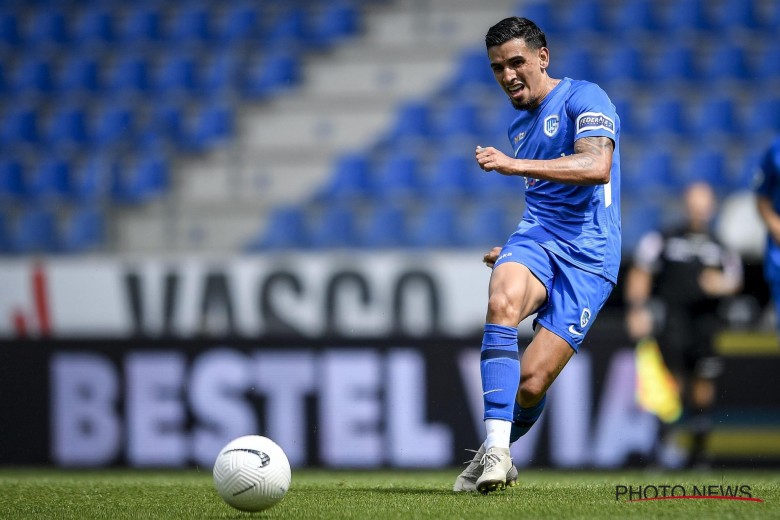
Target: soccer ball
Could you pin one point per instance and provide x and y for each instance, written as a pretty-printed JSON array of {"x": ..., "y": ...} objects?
[{"x": 252, "y": 473}]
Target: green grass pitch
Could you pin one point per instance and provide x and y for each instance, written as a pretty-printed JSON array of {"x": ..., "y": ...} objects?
[{"x": 116, "y": 494}]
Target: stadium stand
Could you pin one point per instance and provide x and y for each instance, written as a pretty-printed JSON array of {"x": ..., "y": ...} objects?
[{"x": 146, "y": 113}]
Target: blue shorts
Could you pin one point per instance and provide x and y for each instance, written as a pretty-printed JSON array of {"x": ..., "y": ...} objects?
[{"x": 574, "y": 296}]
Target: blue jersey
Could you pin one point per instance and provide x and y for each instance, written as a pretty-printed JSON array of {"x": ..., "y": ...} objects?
[
  {"x": 769, "y": 187},
  {"x": 578, "y": 223}
]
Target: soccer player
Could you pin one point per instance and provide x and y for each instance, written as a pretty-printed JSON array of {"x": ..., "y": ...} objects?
[
  {"x": 691, "y": 271},
  {"x": 562, "y": 261},
  {"x": 768, "y": 200}
]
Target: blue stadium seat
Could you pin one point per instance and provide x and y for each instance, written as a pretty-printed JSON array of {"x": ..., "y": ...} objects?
[
  {"x": 687, "y": 15},
  {"x": 386, "y": 227},
  {"x": 84, "y": 231},
  {"x": 575, "y": 62},
  {"x": 452, "y": 176},
  {"x": 12, "y": 179},
  {"x": 69, "y": 127},
  {"x": 413, "y": 122},
  {"x": 541, "y": 13},
  {"x": 277, "y": 72},
  {"x": 472, "y": 71},
  {"x": 623, "y": 63},
  {"x": 130, "y": 73},
  {"x": 640, "y": 216},
  {"x": 6, "y": 242},
  {"x": 10, "y": 29},
  {"x": 397, "y": 178},
  {"x": 727, "y": 61},
  {"x": 676, "y": 62},
  {"x": 80, "y": 74},
  {"x": 707, "y": 164},
  {"x": 286, "y": 229},
  {"x": 212, "y": 125},
  {"x": 35, "y": 232},
  {"x": 768, "y": 62},
  {"x": 488, "y": 225},
  {"x": 21, "y": 125},
  {"x": 350, "y": 179},
  {"x": 337, "y": 227},
  {"x": 34, "y": 74},
  {"x": 240, "y": 22},
  {"x": 631, "y": 16},
  {"x": 147, "y": 178},
  {"x": 626, "y": 109},
  {"x": 220, "y": 74},
  {"x": 50, "y": 179},
  {"x": 582, "y": 16},
  {"x": 143, "y": 23},
  {"x": 738, "y": 14},
  {"x": 91, "y": 182},
  {"x": 666, "y": 116},
  {"x": 95, "y": 25},
  {"x": 337, "y": 20},
  {"x": 177, "y": 74},
  {"x": 114, "y": 125},
  {"x": 289, "y": 28},
  {"x": 191, "y": 23},
  {"x": 460, "y": 119},
  {"x": 763, "y": 116},
  {"x": 652, "y": 174},
  {"x": 48, "y": 26},
  {"x": 438, "y": 227},
  {"x": 717, "y": 115},
  {"x": 165, "y": 126}
]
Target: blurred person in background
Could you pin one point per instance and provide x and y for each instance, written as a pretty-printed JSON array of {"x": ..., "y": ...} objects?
[
  {"x": 768, "y": 201},
  {"x": 673, "y": 290}
]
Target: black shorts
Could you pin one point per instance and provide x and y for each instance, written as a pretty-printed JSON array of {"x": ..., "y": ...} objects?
[{"x": 686, "y": 342}]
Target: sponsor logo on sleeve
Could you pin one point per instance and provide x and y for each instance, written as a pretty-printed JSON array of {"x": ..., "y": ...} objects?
[{"x": 594, "y": 121}]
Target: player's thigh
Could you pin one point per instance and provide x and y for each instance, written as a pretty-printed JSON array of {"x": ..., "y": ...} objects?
[
  {"x": 543, "y": 360},
  {"x": 515, "y": 284}
]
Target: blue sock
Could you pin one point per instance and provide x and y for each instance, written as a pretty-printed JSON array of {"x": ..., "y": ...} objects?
[
  {"x": 500, "y": 367},
  {"x": 524, "y": 418}
]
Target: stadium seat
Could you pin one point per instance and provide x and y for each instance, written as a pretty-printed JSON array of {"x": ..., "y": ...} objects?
[
  {"x": 35, "y": 232},
  {"x": 717, "y": 115},
  {"x": 6, "y": 243},
  {"x": 630, "y": 16},
  {"x": 165, "y": 125},
  {"x": 472, "y": 72},
  {"x": 707, "y": 164},
  {"x": 220, "y": 74},
  {"x": 177, "y": 74},
  {"x": 488, "y": 225},
  {"x": 386, "y": 227},
  {"x": 96, "y": 26},
  {"x": 460, "y": 119},
  {"x": 69, "y": 127},
  {"x": 413, "y": 122},
  {"x": 240, "y": 22},
  {"x": 190, "y": 23},
  {"x": 91, "y": 181},
  {"x": 640, "y": 216},
  {"x": 666, "y": 116},
  {"x": 336, "y": 227},
  {"x": 34, "y": 74},
  {"x": 623, "y": 63},
  {"x": 542, "y": 13},
  {"x": 763, "y": 116},
  {"x": 21, "y": 125},
  {"x": 48, "y": 26},
  {"x": 437, "y": 227},
  {"x": 142, "y": 24},
  {"x": 452, "y": 176},
  {"x": 768, "y": 62},
  {"x": 277, "y": 72},
  {"x": 146, "y": 178},
  {"x": 741, "y": 14},
  {"x": 582, "y": 16},
  {"x": 653, "y": 174},
  {"x": 675, "y": 62},
  {"x": 114, "y": 125},
  {"x": 727, "y": 61},
  {"x": 687, "y": 15},
  {"x": 211, "y": 126},
  {"x": 85, "y": 230},
  {"x": 576, "y": 62},
  {"x": 12, "y": 179},
  {"x": 10, "y": 29},
  {"x": 288, "y": 29},
  {"x": 50, "y": 179},
  {"x": 396, "y": 178},
  {"x": 350, "y": 179},
  {"x": 79, "y": 74},
  {"x": 286, "y": 229},
  {"x": 129, "y": 74},
  {"x": 337, "y": 20}
]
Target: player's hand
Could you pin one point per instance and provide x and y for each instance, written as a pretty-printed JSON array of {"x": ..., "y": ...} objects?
[
  {"x": 490, "y": 159},
  {"x": 715, "y": 283},
  {"x": 491, "y": 257}
]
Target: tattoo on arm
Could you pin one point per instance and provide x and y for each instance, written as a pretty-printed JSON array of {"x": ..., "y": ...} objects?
[{"x": 596, "y": 146}]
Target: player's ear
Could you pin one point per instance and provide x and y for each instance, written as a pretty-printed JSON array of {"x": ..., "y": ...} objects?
[{"x": 544, "y": 58}]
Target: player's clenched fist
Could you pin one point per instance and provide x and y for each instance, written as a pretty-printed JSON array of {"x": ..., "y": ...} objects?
[
  {"x": 491, "y": 257},
  {"x": 490, "y": 159}
]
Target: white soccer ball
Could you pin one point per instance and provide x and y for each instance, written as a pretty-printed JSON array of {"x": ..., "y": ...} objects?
[{"x": 252, "y": 473}]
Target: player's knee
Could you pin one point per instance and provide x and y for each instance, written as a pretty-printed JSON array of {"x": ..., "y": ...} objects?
[
  {"x": 501, "y": 309},
  {"x": 532, "y": 389}
]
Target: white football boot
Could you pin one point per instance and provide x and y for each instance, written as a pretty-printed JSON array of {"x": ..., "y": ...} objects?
[
  {"x": 467, "y": 480},
  {"x": 498, "y": 464}
]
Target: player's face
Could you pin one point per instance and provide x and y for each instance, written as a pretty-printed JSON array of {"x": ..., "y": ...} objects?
[{"x": 520, "y": 72}]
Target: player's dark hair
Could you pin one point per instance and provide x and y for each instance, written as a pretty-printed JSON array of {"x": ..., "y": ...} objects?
[{"x": 516, "y": 27}]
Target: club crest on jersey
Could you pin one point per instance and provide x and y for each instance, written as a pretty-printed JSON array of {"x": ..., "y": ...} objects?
[
  {"x": 584, "y": 317},
  {"x": 551, "y": 125}
]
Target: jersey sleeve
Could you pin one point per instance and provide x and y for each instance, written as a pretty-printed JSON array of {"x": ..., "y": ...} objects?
[
  {"x": 769, "y": 171},
  {"x": 592, "y": 112}
]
